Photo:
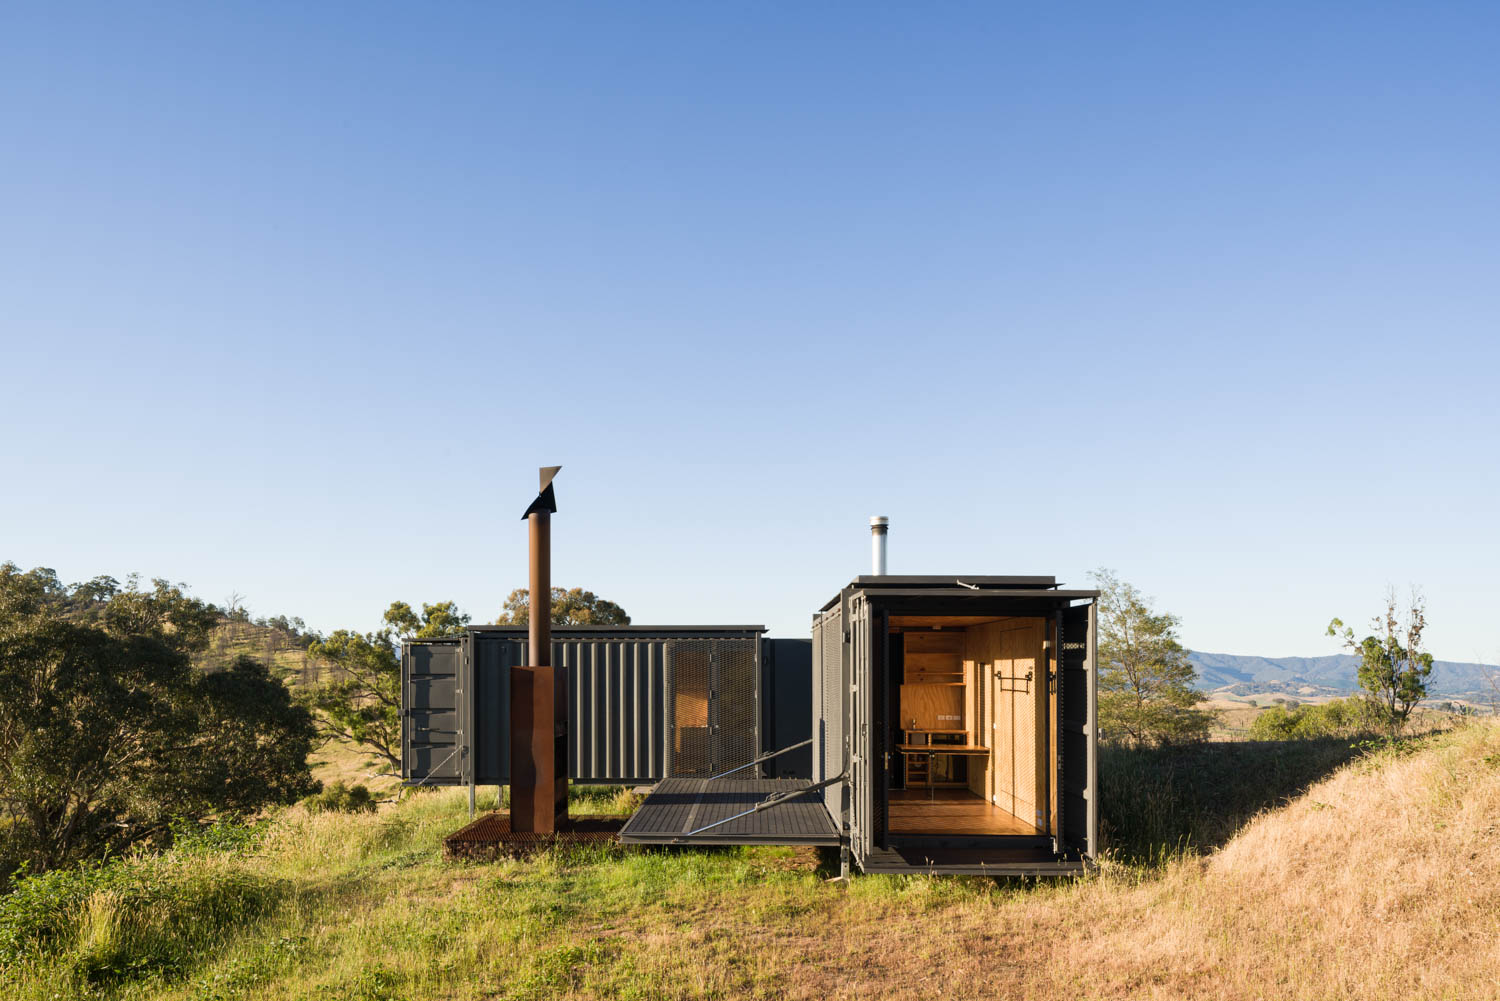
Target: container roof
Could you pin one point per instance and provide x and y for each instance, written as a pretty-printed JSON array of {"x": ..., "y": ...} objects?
[
  {"x": 630, "y": 629},
  {"x": 865, "y": 581},
  {"x": 959, "y": 587}
]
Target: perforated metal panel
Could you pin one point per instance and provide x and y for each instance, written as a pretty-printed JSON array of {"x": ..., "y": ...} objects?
[
  {"x": 689, "y": 691},
  {"x": 713, "y": 705},
  {"x": 866, "y": 710},
  {"x": 737, "y": 706},
  {"x": 832, "y": 659}
]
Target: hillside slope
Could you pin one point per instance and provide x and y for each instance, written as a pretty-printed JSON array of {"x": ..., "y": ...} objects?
[{"x": 1381, "y": 882}]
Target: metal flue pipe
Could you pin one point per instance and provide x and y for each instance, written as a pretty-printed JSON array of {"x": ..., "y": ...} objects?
[
  {"x": 878, "y": 527},
  {"x": 539, "y": 692},
  {"x": 539, "y": 522},
  {"x": 539, "y": 612}
]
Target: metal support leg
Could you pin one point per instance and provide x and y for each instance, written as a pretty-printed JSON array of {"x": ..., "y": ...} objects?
[{"x": 844, "y": 862}]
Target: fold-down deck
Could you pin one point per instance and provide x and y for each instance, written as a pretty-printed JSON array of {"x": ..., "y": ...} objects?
[{"x": 678, "y": 807}]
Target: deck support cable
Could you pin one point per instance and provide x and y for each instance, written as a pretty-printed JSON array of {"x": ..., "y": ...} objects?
[{"x": 775, "y": 799}]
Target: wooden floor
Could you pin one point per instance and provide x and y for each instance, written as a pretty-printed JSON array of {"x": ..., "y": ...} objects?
[{"x": 950, "y": 811}]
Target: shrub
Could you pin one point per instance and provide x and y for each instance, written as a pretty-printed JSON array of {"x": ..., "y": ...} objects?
[
  {"x": 341, "y": 798},
  {"x": 1352, "y": 717}
]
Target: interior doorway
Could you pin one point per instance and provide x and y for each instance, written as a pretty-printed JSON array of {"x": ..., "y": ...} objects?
[{"x": 971, "y": 726}]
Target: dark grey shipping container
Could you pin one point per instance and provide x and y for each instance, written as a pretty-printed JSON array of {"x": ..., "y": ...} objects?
[
  {"x": 956, "y": 718},
  {"x": 645, "y": 702},
  {"x": 951, "y": 724}
]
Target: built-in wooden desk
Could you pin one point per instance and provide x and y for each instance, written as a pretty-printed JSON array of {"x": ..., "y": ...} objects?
[{"x": 930, "y": 750}]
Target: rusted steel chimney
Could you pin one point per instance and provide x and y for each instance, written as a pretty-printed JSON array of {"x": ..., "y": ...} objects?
[{"x": 539, "y": 693}]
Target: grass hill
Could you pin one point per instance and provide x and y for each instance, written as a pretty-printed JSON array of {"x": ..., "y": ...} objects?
[
  {"x": 281, "y": 647},
  {"x": 284, "y": 649},
  {"x": 1331, "y": 675},
  {"x": 1381, "y": 880}
]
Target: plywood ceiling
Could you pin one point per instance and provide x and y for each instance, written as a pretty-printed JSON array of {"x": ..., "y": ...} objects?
[{"x": 946, "y": 621}]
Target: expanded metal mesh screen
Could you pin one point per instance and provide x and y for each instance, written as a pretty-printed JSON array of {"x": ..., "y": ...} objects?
[
  {"x": 689, "y": 689},
  {"x": 833, "y": 693},
  {"x": 737, "y": 704},
  {"x": 713, "y": 705}
]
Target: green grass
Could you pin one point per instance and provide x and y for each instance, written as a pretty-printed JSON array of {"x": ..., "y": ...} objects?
[
  {"x": 358, "y": 906},
  {"x": 364, "y": 906}
]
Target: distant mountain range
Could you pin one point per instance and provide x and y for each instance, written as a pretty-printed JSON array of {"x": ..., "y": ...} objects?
[{"x": 1331, "y": 675}]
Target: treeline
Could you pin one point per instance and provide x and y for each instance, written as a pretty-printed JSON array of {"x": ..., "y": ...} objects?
[
  {"x": 1147, "y": 684},
  {"x": 131, "y": 711},
  {"x": 109, "y": 735},
  {"x": 358, "y": 700}
]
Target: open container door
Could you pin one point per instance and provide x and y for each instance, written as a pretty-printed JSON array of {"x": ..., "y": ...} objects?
[
  {"x": 1078, "y": 795},
  {"x": 867, "y": 776},
  {"x": 433, "y": 736}
]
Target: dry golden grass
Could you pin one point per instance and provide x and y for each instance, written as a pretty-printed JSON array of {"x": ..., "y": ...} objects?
[
  {"x": 1380, "y": 882},
  {"x": 339, "y": 761}
]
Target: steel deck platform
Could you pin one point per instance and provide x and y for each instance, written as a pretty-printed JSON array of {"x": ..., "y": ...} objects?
[
  {"x": 970, "y": 861},
  {"x": 677, "y": 807}
]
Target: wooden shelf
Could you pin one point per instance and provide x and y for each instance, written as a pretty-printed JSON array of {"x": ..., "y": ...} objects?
[{"x": 933, "y": 694}]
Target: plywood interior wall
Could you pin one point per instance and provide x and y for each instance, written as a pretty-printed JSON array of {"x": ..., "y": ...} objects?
[
  {"x": 934, "y": 657},
  {"x": 932, "y": 707},
  {"x": 1006, "y": 670},
  {"x": 932, "y": 696}
]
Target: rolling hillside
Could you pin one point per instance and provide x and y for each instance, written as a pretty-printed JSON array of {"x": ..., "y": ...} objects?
[
  {"x": 1331, "y": 675},
  {"x": 1379, "y": 882}
]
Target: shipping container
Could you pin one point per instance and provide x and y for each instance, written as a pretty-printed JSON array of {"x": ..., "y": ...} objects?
[
  {"x": 937, "y": 724},
  {"x": 956, "y": 723},
  {"x": 645, "y": 702},
  {"x": 952, "y": 731}
]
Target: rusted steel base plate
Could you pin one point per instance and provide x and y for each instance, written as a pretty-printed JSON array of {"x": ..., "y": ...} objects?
[{"x": 490, "y": 837}]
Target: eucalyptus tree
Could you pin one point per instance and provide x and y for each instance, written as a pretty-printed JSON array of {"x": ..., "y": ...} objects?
[
  {"x": 107, "y": 731},
  {"x": 1146, "y": 682}
]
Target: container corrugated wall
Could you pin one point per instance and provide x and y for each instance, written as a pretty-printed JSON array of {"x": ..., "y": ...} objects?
[
  {"x": 617, "y": 689},
  {"x": 620, "y": 711}
]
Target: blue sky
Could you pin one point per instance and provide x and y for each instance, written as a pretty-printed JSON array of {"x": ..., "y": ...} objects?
[{"x": 294, "y": 299}]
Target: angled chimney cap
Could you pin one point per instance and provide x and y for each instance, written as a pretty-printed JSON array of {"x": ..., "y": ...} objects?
[{"x": 546, "y": 500}]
